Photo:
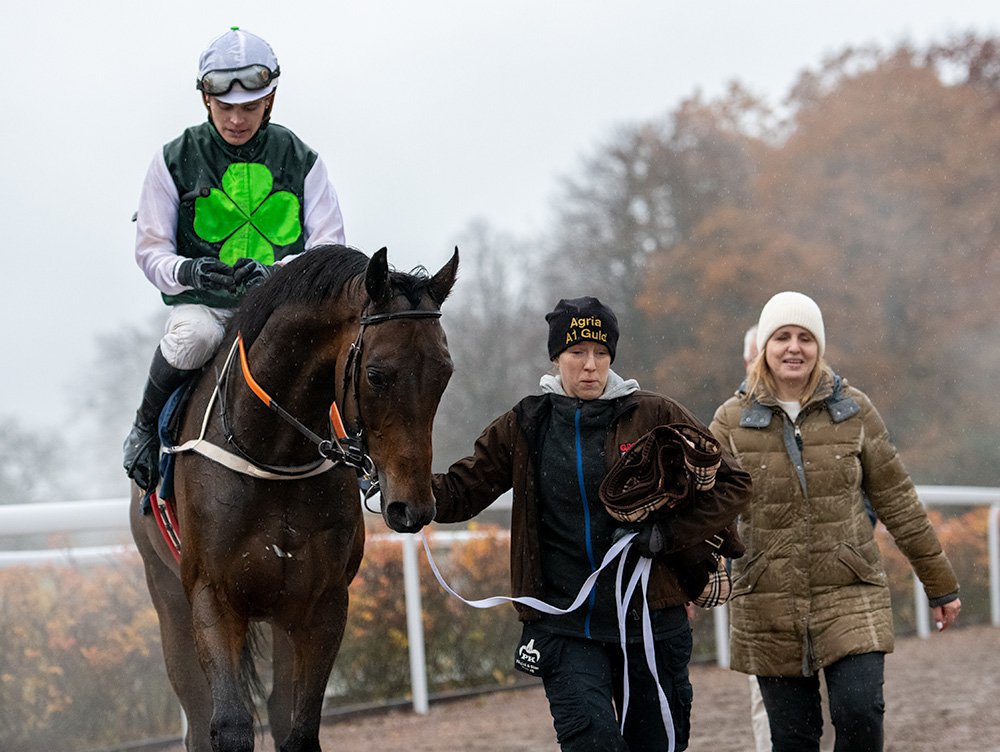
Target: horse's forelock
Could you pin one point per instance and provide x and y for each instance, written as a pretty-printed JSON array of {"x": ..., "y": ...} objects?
[{"x": 414, "y": 285}]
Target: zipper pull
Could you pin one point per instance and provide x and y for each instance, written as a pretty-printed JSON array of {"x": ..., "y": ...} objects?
[{"x": 798, "y": 436}]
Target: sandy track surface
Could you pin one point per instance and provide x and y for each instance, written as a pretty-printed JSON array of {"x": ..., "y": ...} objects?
[{"x": 941, "y": 694}]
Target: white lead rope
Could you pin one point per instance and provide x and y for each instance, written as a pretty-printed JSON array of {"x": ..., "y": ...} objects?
[{"x": 641, "y": 574}]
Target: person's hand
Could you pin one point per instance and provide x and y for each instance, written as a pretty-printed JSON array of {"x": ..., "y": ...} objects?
[
  {"x": 249, "y": 273},
  {"x": 946, "y": 615},
  {"x": 692, "y": 567},
  {"x": 206, "y": 274},
  {"x": 650, "y": 537}
]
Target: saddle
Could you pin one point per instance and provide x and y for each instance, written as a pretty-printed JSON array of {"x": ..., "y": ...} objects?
[{"x": 168, "y": 429}]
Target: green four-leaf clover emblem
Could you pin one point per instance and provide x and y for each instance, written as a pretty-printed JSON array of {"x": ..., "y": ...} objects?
[{"x": 245, "y": 214}]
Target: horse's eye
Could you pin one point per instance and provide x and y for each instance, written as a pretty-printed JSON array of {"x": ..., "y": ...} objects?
[{"x": 377, "y": 379}]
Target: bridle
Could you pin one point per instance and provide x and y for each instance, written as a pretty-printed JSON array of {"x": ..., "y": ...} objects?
[{"x": 341, "y": 448}]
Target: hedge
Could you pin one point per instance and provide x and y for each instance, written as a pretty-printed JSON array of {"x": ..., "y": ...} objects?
[{"x": 81, "y": 666}]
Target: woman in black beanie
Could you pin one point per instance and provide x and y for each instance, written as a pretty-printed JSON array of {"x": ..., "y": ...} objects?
[{"x": 554, "y": 450}]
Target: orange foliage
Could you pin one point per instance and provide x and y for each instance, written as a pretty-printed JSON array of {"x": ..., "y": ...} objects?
[
  {"x": 964, "y": 540},
  {"x": 71, "y": 634},
  {"x": 80, "y": 653},
  {"x": 879, "y": 202},
  {"x": 463, "y": 646}
]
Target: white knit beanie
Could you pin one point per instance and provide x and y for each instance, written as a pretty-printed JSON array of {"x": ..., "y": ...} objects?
[{"x": 790, "y": 309}]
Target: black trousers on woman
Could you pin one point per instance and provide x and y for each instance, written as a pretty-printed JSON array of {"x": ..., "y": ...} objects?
[
  {"x": 583, "y": 683},
  {"x": 857, "y": 707}
]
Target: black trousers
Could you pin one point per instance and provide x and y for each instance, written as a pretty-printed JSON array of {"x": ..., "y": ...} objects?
[
  {"x": 584, "y": 684},
  {"x": 857, "y": 706}
]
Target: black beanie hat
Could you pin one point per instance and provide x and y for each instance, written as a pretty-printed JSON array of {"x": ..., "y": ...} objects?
[{"x": 581, "y": 320}]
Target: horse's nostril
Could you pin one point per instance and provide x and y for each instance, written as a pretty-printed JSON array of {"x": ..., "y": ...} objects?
[{"x": 404, "y": 517}]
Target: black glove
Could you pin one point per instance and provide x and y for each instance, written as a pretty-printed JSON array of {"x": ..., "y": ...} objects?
[
  {"x": 249, "y": 273},
  {"x": 651, "y": 537},
  {"x": 692, "y": 567},
  {"x": 206, "y": 274}
]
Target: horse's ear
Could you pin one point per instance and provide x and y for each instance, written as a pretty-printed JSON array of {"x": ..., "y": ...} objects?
[
  {"x": 377, "y": 277},
  {"x": 444, "y": 280}
]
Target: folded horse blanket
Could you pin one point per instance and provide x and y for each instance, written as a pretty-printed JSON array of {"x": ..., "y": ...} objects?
[
  {"x": 662, "y": 469},
  {"x": 661, "y": 475}
]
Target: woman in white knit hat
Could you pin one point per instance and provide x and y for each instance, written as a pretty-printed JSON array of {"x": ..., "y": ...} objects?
[
  {"x": 811, "y": 594},
  {"x": 220, "y": 205}
]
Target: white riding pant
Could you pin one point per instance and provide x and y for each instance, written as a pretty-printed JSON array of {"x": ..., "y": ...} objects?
[{"x": 192, "y": 334}]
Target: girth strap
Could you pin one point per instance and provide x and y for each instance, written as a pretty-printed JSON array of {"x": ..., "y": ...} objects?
[{"x": 240, "y": 465}]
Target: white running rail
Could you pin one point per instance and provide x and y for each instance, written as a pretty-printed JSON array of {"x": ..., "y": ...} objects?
[{"x": 112, "y": 515}]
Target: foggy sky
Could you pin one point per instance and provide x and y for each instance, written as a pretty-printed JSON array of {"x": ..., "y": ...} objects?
[{"x": 428, "y": 114}]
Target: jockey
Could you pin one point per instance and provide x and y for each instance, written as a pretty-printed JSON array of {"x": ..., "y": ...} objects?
[{"x": 220, "y": 206}]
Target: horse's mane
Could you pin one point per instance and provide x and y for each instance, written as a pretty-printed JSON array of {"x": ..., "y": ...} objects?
[{"x": 312, "y": 278}]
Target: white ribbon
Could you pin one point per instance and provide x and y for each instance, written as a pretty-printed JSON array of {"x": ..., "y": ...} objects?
[{"x": 641, "y": 574}]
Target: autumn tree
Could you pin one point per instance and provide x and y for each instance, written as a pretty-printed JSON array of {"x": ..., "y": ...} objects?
[
  {"x": 643, "y": 193},
  {"x": 880, "y": 203},
  {"x": 496, "y": 335}
]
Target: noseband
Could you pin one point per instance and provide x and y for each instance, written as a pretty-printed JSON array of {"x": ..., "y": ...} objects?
[{"x": 341, "y": 448}]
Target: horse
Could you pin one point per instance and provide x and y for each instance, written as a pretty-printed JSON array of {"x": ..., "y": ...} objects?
[{"x": 272, "y": 533}]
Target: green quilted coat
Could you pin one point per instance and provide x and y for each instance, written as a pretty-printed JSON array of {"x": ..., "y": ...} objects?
[{"x": 811, "y": 588}]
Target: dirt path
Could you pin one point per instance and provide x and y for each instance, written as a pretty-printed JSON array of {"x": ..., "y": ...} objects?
[{"x": 941, "y": 695}]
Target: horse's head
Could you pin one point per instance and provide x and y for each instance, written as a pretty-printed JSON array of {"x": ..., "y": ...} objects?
[{"x": 402, "y": 372}]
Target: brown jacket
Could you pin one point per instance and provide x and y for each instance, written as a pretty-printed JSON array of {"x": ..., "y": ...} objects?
[
  {"x": 504, "y": 457},
  {"x": 811, "y": 588}
]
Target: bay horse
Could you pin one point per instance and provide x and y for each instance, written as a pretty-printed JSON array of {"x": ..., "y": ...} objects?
[{"x": 275, "y": 533}]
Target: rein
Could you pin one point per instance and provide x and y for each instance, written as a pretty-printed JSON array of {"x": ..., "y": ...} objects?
[
  {"x": 241, "y": 462},
  {"x": 341, "y": 448}
]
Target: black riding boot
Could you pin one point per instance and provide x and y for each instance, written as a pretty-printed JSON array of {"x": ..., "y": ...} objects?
[{"x": 142, "y": 445}]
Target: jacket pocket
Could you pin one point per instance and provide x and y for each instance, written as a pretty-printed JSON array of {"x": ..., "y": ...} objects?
[
  {"x": 748, "y": 578},
  {"x": 860, "y": 567}
]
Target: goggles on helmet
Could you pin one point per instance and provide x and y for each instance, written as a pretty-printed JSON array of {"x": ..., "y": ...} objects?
[{"x": 250, "y": 77}]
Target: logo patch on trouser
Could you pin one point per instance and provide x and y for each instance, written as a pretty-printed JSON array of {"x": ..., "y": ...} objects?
[
  {"x": 537, "y": 651},
  {"x": 528, "y": 658}
]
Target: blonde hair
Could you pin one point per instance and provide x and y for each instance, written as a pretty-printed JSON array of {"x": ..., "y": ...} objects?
[{"x": 760, "y": 380}]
